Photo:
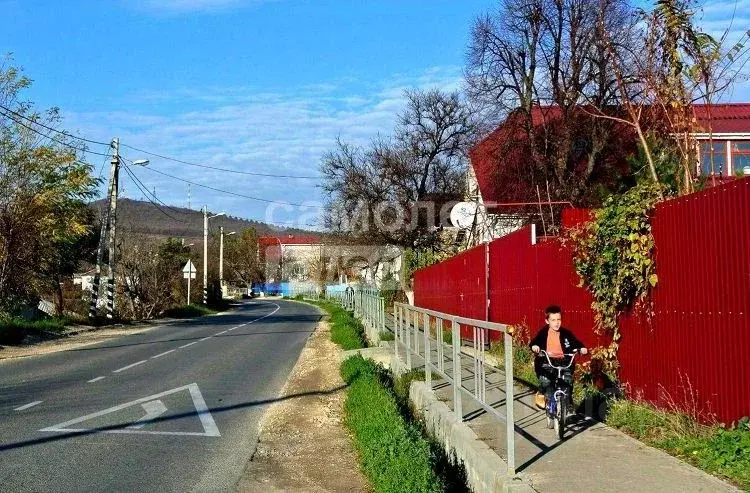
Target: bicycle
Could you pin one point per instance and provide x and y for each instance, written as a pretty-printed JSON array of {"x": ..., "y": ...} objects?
[{"x": 557, "y": 407}]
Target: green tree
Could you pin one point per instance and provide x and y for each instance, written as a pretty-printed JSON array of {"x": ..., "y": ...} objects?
[
  {"x": 43, "y": 188},
  {"x": 241, "y": 258}
]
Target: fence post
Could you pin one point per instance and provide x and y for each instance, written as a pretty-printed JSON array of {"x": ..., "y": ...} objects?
[
  {"x": 396, "y": 309},
  {"x": 407, "y": 327},
  {"x": 457, "y": 373},
  {"x": 427, "y": 355},
  {"x": 509, "y": 402}
]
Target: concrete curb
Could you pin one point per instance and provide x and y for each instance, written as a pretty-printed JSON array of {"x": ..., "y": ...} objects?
[{"x": 484, "y": 468}]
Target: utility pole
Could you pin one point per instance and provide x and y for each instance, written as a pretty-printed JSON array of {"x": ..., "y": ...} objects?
[
  {"x": 113, "y": 172},
  {"x": 205, "y": 254},
  {"x": 221, "y": 258},
  {"x": 112, "y": 225}
]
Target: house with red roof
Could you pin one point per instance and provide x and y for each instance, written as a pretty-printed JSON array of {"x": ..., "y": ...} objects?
[
  {"x": 505, "y": 200},
  {"x": 288, "y": 257}
]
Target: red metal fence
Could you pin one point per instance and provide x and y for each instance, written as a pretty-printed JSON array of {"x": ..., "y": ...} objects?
[{"x": 693, "y": 352}]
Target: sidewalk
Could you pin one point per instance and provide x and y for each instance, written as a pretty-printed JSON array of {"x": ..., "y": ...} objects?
[{"x": 593, "y": 456}]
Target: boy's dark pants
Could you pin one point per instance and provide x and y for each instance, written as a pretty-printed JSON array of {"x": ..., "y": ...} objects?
[{"x": 548, "y": 375}]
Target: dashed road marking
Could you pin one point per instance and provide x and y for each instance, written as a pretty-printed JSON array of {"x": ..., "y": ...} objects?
[
  {"x": 188, "y": 344},
  {"x": 96, "y": 379},
  {"x": 162, "y": 354},
  {"x": 129, "y": 366},
  {"x": 26, "y": 406}
]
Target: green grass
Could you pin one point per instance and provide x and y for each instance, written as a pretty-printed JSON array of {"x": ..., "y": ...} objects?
[
  {"x": 394, "y": 455},
  {"x": 346, "y": 331},
  {"x": 386, "y": 335},
  {"x": 190, "y": 311},
  {"x": 14, "y": 329},
  {"x": 523, "y": 361},
  {"x": 723, "y": 452}
]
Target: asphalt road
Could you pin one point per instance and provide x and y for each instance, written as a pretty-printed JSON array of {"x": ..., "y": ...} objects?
[{"x": 173, "y": 409}]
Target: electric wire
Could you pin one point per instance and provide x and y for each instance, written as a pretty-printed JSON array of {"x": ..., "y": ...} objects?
[
  {"x": 146, "y": 194},
  {"x": 250, "y": 197},
  {"x": 52, "y": 129},
  {"x": 61, "y": 142},
  {"x": 217, "y": 168}
]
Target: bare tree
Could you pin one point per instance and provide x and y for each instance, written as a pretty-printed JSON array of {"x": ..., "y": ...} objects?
[
  {"x": 375, "y": 192},
  {"x": 536, "y": 62}
]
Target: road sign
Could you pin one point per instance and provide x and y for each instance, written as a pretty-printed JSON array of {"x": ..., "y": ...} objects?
[
  {"x": 154, "y": 408},
  {"x": 188, "y": 271}
]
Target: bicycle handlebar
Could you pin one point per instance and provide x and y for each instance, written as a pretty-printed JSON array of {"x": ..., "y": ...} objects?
[{"x": 572, "y": 358}]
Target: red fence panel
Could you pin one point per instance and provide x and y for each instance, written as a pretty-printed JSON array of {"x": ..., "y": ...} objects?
[
  {"x": 457, "y": 286},
  {"x": 691, "y": 353}
]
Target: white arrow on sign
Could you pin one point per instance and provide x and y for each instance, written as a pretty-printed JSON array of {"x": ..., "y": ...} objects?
[{"x": 154, "y": 408}]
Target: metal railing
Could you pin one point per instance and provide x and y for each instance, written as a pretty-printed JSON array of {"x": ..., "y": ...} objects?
[
  {"x": 408, "y": 320},
  {"x": 309, "y": 291},
  {"x": 369, "y": 306}
]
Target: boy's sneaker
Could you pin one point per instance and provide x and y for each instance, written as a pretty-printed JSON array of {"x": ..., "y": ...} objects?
[{"x": 540, "y": 401}]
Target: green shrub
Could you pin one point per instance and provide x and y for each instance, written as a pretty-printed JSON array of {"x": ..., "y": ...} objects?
[
  {"x": 13, "y": 330},
  {"x": 394, "y": 455}
]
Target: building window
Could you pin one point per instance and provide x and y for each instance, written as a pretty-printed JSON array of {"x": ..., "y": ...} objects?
[
  {"x": 719, "y": 152},
  {"x": 740, "y": 156}
]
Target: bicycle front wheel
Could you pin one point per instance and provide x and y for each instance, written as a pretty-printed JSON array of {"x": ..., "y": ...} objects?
[{"x": 560, "y": 421}]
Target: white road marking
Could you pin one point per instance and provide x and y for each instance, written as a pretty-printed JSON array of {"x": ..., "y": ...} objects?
[
  {"x": 153, "y": 409},
  {"x": 129, "y": 366},
  {"x": 209, "y": 425},
  {"x": 219, "y": 333},
  {"x": 96, "y": 379},
  {"x": 26, "y": 406},
  {"x": 162, "y": 354},
  {"x": 188, "y": 344},
  {"x": 206, "y": 338}
]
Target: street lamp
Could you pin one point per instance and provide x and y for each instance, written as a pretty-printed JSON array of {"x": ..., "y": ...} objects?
[
  {"x": 206, "y": 217},
  {"x": 221, "y": 258},
  {"x": 140, "y": 162}
]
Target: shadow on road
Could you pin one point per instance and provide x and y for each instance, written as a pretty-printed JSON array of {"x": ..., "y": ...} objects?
[{"x": 215, "y": 410}]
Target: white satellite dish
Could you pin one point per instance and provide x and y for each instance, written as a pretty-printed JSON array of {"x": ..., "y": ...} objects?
[{"x": 463, "y": 214}]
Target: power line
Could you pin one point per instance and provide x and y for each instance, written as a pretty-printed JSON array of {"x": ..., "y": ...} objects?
[
  {"x": 146, "y": 194},
  {"x": 227, "y": 170},
  {"x": 67, "y": 144},
  {"x": 62, "y": 132},
  {"x": 144, "y": 189},
  {"x": 231, "y": 193}
]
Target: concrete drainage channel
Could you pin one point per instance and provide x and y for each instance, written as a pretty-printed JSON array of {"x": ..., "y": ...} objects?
[{"x": 485, "y": 469}]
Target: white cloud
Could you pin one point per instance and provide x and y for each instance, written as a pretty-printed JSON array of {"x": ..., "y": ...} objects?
[{"x": 243, "y": 129}]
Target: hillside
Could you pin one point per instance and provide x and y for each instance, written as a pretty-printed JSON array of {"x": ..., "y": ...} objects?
[{"x": 135, "y": 216}]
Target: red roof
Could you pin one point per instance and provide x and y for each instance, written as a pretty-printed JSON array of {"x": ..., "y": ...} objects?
[
  {"x": 725, "y": 118},
  {"x": 494, "y": 155}
]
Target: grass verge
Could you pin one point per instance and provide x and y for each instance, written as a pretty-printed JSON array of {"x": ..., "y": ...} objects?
[
  {"x": 346, "y": 331},
  {"x": 190, "y": 311},
  {"x": 393, "y": 452},
  {"x": 721, "y": 451},
  {"x": 13, "y": 330}
]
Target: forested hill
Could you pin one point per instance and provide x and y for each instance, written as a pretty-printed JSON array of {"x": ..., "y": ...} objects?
[{"x": 135, "y": 216}]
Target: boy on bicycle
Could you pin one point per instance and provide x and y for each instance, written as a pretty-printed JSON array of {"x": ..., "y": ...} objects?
[{"x": 556, "y": 341}]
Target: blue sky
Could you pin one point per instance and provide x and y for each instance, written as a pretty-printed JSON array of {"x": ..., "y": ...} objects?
[{"x": 256, "y": 85}]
